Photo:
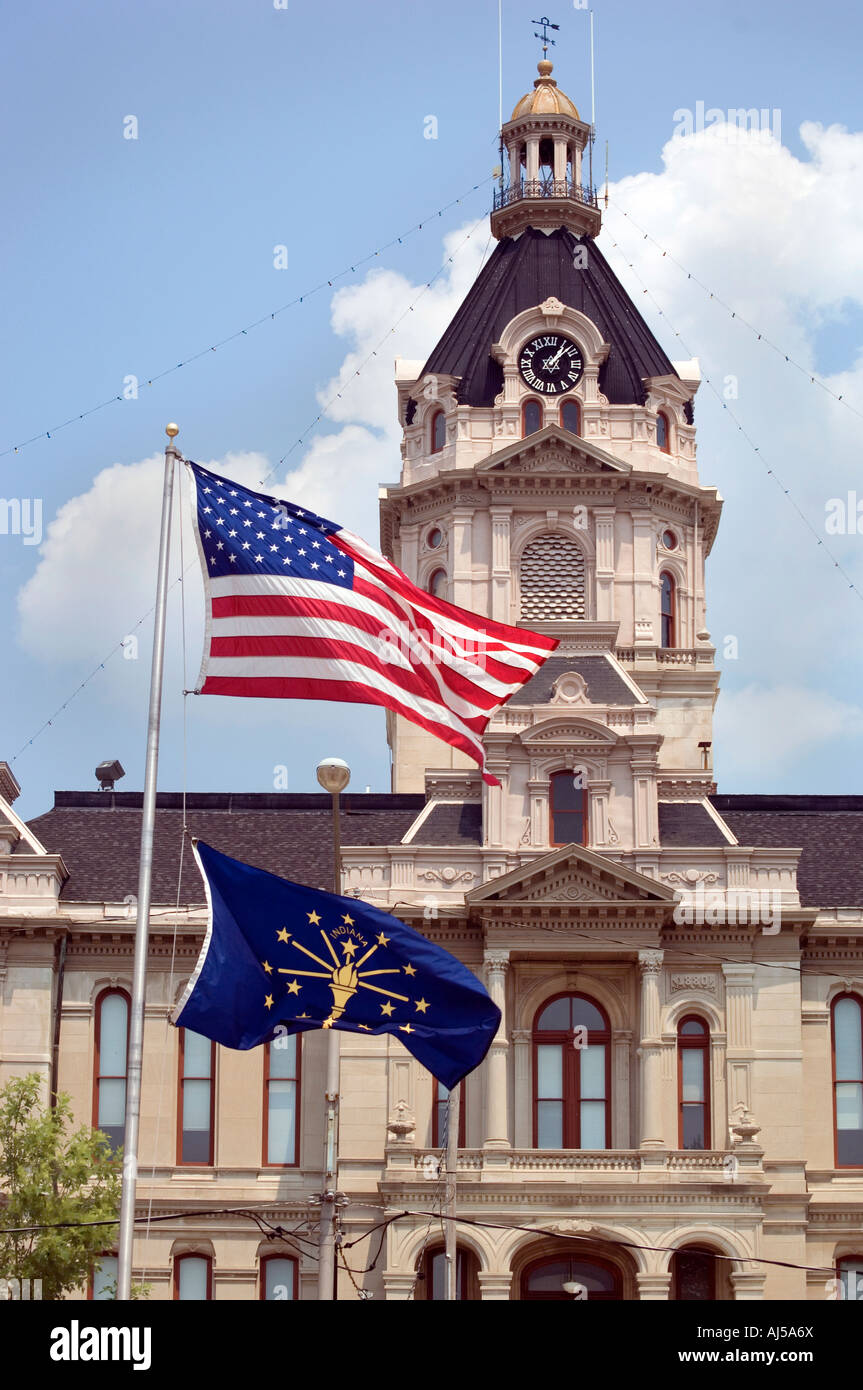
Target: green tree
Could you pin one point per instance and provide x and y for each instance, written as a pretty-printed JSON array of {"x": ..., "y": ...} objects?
[{"x": 51, "y": 1173}]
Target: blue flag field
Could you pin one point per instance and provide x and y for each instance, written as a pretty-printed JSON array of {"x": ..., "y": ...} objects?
[{"x": 281, "y": 957}]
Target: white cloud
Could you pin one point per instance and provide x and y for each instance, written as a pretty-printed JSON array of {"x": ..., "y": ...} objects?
[{"x": 777, "y": 237}]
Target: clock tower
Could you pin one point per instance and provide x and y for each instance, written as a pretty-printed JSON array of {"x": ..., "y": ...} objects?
[{"x": 549, "y": 478}]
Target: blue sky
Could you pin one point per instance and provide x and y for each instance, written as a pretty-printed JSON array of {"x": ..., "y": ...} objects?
[{"x": 304, "y": 127}]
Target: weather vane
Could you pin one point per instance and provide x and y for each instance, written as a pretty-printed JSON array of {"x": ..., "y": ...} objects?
[{"x": 546, "y": 25}]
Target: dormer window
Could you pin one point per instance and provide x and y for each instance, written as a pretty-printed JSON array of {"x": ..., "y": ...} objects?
[
  {"x": 531, "y": 418},
  {"x": 666, "y": 610},
  {"x": 663, "y": 432},
  {"x": 568, "y": 808},
  {"x": 438, "y": 432},
  {"x": 570, "y": 416}
]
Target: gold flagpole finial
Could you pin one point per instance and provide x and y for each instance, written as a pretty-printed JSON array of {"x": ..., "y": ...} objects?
[{"x": 172, "y": 430}]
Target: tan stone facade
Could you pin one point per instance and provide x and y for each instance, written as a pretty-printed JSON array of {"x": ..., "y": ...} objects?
[{"x": 660, "y": 912}]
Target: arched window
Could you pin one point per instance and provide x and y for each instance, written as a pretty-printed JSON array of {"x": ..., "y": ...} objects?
[
  {"x": 848, "y": 1080},
  {"x": 570, "y": 416},
  {"x": 693, "y": 1275},
  {"x": 193, "y": 1278},
  {"x": 431, "y": 1276},
  {"x": 439, "y": 1116},
  {"x": 571, "y": 1045},
  {"x": 693, "y": 1083},
  {"x": 437, "y": 584},
  {"x": 662, "y": 431},
  {"x": 197, "y": 1099},
  {"x": 112, "y": 1044},
  {"x": 567, "y": 812},
  {"x": 849, "y": 1272},
  {"x": 278, "y": 1282},
  {"x": 666, "y": 609},
  {"x": 281, "y": 1101},
  {"x": 552, "y": 580},
  {"x": 559, "y": 1280},
  {"x": 437, "y": 432},
  {"x": 531, "y": 418}
]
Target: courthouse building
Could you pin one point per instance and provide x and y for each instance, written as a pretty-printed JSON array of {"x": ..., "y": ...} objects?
[{"x": 678, "y": 1075}]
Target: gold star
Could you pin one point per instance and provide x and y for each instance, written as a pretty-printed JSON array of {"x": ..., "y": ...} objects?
[
  {"x": 313, "y": 918},
  {"x": 387, "y": 1009},
  {"x": 409, "y": 970},
  {"x": 294, "y": 988},
  {"x": 422, "y": 1005},
  {"x": 405, "y": 1028},
  {"x": 348, "y": 921},
  {"x": 383, "y": 940},
  {"x": 349, "y": 948},
  {"x": 327, "y": 1023},
  {"x": 283, "y": 935},
  {"x": 269, "y": 1001},
  {"x": 267, "y": 967}
]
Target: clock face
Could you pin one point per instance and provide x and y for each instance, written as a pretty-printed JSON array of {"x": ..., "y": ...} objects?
[{"x": 551, "y": 364}]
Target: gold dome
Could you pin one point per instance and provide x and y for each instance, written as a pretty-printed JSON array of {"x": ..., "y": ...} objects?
[{"x": 546, "y": 99}]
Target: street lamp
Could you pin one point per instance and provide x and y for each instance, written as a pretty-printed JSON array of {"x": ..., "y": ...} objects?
[{"x": 333, "y": 775}]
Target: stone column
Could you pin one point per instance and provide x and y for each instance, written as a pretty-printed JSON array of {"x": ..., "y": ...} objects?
[
  {"x": 462, "y": 558},
  {"x": 494, "y": 1286},
  {"x": 645, "y": 809},
  {"x": 739, "y": 984},
  {"x": 653, "y": 1288},
  {"x": 501, "y": 569},
  {"x": 560, "y": 159},
  {"x": 597, "y": 798},
  {"x": 650, "y": 1051},
  {"x": 409, "y": 551},
  {"x": 604, "y": 522},
  {"x": 748, "y": 1287},
  {"x": 532, "y": 173},
  {"x": 645, "y": 582},
  {"x": 522, "y": 1117},
  {"x": 496, "y": 1126}
]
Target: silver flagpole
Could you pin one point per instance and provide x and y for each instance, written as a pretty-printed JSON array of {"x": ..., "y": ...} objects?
[
  {"x": 145, "y": 874},
  {"x": 333, "y": 775},
  {"x": 451, "y": 1234}
]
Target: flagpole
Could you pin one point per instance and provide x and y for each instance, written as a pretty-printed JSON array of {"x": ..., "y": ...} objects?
[
  {"x": 450, "y": 1236},
  {"x": 145, "y": 874},
  {"x": 333, "y": 775}
]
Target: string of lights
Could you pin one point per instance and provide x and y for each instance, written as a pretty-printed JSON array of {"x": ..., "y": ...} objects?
[
  {"x": 119, "y": 646},
  {"x": 337, "y": 395},
  {"x": 771, "y": 472},
  {"x": 813, "y": 377},
  {"x": 329, "y": 282}
]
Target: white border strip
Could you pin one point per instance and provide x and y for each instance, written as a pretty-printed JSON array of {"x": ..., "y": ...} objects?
[{"x": 208, "y": 937}]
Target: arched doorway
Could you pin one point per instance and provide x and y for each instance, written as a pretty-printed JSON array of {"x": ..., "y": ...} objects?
[{"x": 561, "y": 1278}]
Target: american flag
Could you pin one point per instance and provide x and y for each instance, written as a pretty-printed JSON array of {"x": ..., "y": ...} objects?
[{"x": 300, "y": 609}]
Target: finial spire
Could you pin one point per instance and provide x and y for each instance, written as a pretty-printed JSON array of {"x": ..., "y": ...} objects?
[{"x": 546, "y": 24}]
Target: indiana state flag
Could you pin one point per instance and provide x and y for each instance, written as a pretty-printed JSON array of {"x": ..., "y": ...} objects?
[{"x": 280, "y": 957}]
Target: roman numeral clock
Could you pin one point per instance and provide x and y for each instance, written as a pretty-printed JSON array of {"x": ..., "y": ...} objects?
[{"x": 551, "y": 364}]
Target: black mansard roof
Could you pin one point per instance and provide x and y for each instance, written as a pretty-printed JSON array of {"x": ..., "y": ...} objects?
[
  {"x": 525, "y": 271},
  {"x": 98, "y": 835}
]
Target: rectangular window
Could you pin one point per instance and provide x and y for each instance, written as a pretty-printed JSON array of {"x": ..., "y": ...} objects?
[
  {"x": 197, "y": 1068},
  {"x": 112, "y": 1039},
  {"x": 193, "y": 1278},
  {"x": 281, "y": 1101},
  {"x": 549, "y": 1096},
  {"x": 439, "y": 1116},
  {"x": 592, "y": 1093},
  {"x": 104, "y": 1282},
  {"x": 278, "y": 1278}
]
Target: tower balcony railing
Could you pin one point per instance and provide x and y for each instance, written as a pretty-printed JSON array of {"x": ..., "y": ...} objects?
[{"x": 545, "y": 188}]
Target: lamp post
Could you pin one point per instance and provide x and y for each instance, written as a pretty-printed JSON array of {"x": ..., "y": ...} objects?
[{"x": 333, "y": 774}]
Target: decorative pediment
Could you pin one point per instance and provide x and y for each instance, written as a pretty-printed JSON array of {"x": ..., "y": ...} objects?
[
  {"x": 572, "y": 874},
  {"x": 571, "y": 729},
  {"x": 553, "y": 450}
]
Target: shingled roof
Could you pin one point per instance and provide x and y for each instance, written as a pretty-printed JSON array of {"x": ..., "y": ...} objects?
[
  {"x": 829, "y": 830},
  {"x": 522, "y": 273},
  {"x": 605, "y": 685},
  {"x": 98, "y": 834}
]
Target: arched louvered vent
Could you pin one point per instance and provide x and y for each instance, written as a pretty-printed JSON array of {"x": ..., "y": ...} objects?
[{"x": 552, "y": 580}]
